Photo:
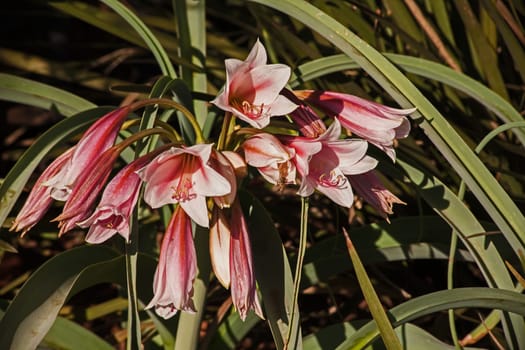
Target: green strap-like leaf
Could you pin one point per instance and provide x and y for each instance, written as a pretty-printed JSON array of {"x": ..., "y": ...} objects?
[
  {"x": 30, "y": 92},
  {"x": 487, "y": 298},
  {"x": 374, "y": 304},
  {"x": 196, "y": 18},
  {"x": 232, "y": 331},
  {"x": 34, "y": 309},
  {"x": 64, "y": 334},
  {"x": 483, "y": 249},
  {"x": 443, "y": 20},
  {"x": 411, "y": 336},
  {"x": 484, "y": 54},
  {"x": 512, "y": 43},
  {"x": 37, "y": 304}
]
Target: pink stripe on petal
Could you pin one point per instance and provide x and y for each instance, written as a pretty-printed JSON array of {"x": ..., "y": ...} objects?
[
  {"x": 243, "y": 290},
  {"x": 176, "y": 270},
  {"x": 220, "y": 246}
]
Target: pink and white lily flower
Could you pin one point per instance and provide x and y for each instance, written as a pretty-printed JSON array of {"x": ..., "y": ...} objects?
[
  {"x": 242, "y": 274},
  {"x": 231, "y": 257},
  {"x": 98, "y": 138},
  {"x": 39, "y": 199},
  {"x": 220, "y": 231},
  {"x": 378, "y": 124},
  {"x": 252, "y": 88},
  {"x": 177, "y": 268},
  {"x": 118, "y": 200},
  {"x": 89, "y": 184},
  {"x": 368, "y": 186},
  {"x": 273, "y": 160},
  {"x": 324, "y": 161},
  {"x": 309, "y": 123},
  {"x": 183, "y": 176}
]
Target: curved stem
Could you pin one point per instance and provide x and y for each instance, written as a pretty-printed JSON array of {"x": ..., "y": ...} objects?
[
  {"x": 166, "y": 126},
  {"x": 170, "y": 103},
  {"x": 223, "y": 136},
  {"x": 129, "y": 123},
  {"x": 131, "y": 278},
  {"x": 496, "y": 132},
  {"x": 248, "y": 132},
  {"x": 187, "y": 335},
  {"x": 299, "y": 266},
  {"x": 144, "y": 133}
]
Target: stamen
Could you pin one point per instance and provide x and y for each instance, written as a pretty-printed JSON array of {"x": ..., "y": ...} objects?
[
  {"x": 283, "y": 174},
  {"x": 254, "y": 111},
  {"x": 182, "y": 190},
  {"x": 333, "y": 180}
]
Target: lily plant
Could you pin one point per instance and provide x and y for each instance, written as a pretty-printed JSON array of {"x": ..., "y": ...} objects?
[{"x": 325, "y": 149}]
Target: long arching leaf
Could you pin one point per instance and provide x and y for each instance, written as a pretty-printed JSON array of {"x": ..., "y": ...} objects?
[
  {"x": 411, "y": 336},
  {"x": 64, "y": 335},
  {"x": 486, "y": 298},
  {"x": 33, "y": 311},
  {"x": 33, "y": 93}
]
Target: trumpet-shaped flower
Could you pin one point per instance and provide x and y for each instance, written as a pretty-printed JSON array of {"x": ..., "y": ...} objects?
[
  {"x": 376, "y": 123},
  {"x": 98, "y": 138},
  {"x": 324, "y": 161},
  {"x": 39, "y": 199},
  {"x": 226, "y": 163},
  {"x": 118, "y": 200},
  {"x": 368, "y": 186},
  {"x": 183, "y": 175},
  {"x": 310, "y": 125},
  {"x": 252, "y": 88},
  {"x": 231, "y": 258},
  {"x": 242, "y": 275},
  {"x": 271, "y": 158},
  {"x": 177, "y": 268},
  {"x": 88, "y": 186}
]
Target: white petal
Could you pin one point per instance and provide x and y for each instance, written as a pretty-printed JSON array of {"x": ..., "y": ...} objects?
[{"x": 197, "y": 210}]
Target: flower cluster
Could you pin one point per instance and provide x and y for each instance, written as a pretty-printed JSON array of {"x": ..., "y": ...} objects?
[{"x": 200, "y": 181}]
